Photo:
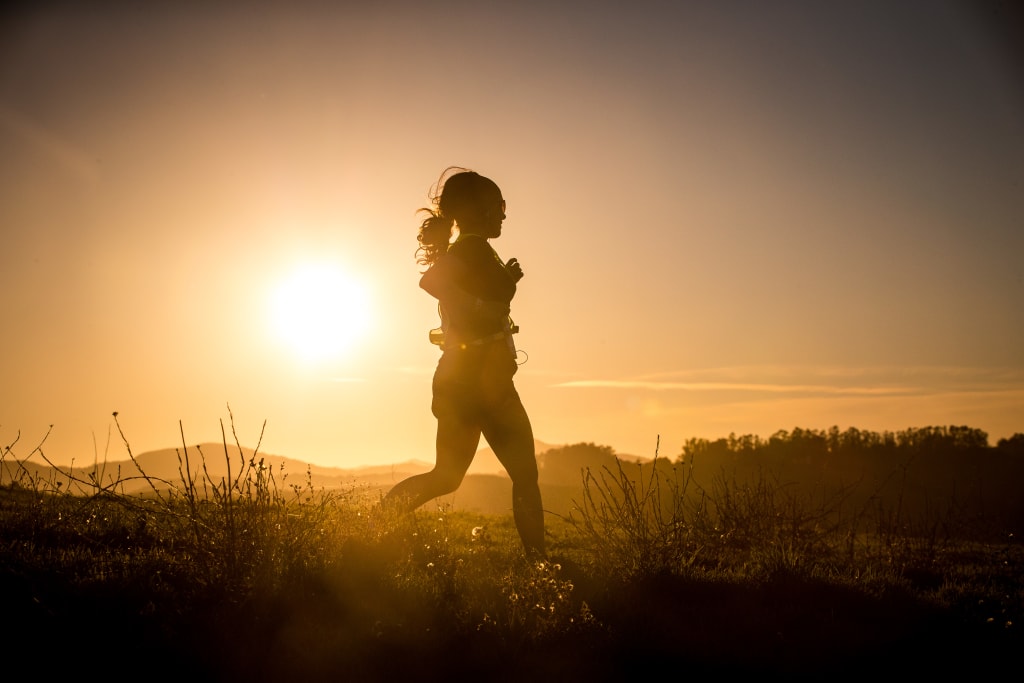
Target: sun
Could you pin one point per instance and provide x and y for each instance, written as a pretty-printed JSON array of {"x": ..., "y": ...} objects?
[{"x": 319, "y": 312}]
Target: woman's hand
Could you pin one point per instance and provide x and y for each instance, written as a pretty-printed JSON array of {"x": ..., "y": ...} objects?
[{"x": 514, "y": 269}]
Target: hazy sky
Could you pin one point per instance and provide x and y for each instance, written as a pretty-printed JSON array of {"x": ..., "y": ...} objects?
[{"x": 732, "y": 216}]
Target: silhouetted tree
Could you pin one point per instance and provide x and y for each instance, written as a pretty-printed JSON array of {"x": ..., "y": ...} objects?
[
  {"x": 1012, "y": 446},
  {"x": 566, "y": 463}
]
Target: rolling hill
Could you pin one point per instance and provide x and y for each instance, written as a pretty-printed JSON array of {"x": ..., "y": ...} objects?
[{"x": 486, "y": 488}]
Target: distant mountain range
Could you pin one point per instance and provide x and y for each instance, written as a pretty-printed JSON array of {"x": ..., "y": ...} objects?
[{"x": 486, "y": 488}]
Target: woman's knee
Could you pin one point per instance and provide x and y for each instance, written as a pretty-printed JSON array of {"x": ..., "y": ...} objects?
[{"x": 444, "y": 481}]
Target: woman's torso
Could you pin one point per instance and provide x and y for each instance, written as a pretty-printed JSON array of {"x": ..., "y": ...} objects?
[{"x": 472, "y": 266}]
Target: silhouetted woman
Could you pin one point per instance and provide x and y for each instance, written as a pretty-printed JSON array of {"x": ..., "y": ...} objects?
[{"x": 473, "y": 392}]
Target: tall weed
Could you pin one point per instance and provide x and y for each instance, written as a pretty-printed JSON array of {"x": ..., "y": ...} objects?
[{"x": 639, "y": 524}]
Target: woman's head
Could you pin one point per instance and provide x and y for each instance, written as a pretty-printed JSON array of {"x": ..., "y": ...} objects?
[{"x": 465, "y": 198}]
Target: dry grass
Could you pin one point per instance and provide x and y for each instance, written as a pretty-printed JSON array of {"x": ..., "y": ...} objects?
[{"x": 244, "y": 577}]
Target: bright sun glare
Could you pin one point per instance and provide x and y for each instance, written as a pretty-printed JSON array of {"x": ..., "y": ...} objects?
[{"x": 319, "y": 312}]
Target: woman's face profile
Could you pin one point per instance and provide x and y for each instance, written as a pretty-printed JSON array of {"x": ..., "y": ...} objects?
[{"x": 493, "y": 215}]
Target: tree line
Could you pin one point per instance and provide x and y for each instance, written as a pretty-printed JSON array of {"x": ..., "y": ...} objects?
[
  {"x": 811, "y": 442},
  {"x": 945, "y": 472}
]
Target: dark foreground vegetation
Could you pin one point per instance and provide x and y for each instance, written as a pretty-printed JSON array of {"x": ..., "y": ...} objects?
[{"x": 757, "y": 566}]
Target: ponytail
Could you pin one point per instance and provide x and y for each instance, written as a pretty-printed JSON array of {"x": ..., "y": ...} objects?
[{"x": 434, "y": 236}]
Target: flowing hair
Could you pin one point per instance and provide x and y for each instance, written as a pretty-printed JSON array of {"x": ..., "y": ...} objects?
[
  {"x": 459, "y": 194},
  {"x": 434, "y": 236}
]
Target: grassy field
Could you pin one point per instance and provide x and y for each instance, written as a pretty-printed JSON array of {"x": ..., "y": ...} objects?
[{"x": 241, "y": 578}]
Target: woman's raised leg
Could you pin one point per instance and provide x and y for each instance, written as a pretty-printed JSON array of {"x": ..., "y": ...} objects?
[{"x": 457, "y": 442}]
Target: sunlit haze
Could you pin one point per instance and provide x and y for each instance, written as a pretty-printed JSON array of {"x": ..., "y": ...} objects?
[{"x": 731, "y": 216}]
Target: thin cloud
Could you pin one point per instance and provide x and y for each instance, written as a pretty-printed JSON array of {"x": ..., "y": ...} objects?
[
  {"x": 821, "y": 380},
  {"x": 926, "y": 374},
  {"x": 736, "y": 386},
  {"x": 64, "y": 154}
]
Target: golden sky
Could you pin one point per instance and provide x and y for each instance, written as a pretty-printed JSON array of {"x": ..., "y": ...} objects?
[{"x": 733, "y": 217}]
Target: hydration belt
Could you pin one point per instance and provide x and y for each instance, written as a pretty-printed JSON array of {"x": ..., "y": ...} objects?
[{"x": 437, "y": 337}]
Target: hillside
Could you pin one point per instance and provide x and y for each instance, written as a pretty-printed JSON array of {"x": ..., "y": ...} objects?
[
  {"x": 920, "y": 471},
  {"x": 486, "y": 488}
]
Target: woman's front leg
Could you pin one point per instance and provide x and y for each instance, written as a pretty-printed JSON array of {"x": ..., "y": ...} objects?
[{"x": 510, "y": 435}]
